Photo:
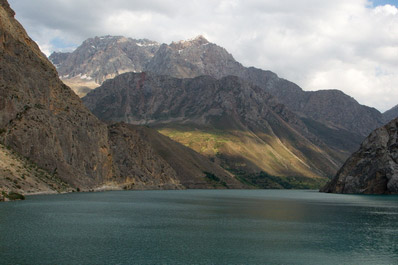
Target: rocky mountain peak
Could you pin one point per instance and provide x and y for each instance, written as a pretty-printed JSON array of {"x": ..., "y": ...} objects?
[
  {"x": 192, "y": 58},
  {"x": 182, "y": 44},
  {"x": 101, "y": 58}
]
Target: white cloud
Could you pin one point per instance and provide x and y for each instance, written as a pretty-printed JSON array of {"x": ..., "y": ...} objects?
[{"x": 346, "y": 45}]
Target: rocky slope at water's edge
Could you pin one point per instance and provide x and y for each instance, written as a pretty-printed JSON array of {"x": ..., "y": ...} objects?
[{"x": 373, "y": 169}]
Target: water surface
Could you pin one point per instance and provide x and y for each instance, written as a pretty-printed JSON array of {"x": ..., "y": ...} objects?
[{"x": 200, "y": 227}]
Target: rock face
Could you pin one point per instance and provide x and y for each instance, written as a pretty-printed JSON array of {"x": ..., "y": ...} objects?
[
  {"x": 391, "y": 114},
  {"x": 44, "y": 121},
  {"x": 373, "y": 169},
  {"x": 230, "y": 120}
]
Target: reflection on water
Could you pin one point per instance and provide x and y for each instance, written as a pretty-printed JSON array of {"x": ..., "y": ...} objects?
[{"x": 200, "y": 227}]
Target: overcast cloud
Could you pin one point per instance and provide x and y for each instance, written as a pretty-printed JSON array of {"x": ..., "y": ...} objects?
[{"x": 318, "y": 44}]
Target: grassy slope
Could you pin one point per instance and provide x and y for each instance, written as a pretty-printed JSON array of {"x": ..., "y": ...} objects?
[{"x": 267, "y": 154}]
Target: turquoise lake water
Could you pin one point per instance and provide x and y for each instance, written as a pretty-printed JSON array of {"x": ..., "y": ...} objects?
[{"x": 200, "y": 227}]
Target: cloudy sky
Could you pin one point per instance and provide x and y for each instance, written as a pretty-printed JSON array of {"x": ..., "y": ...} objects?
[{"x": 351, "y": 45}]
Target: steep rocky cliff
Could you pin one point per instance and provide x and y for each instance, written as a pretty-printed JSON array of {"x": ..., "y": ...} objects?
[
  {"x": 229, "y": 120},
  {"x": 373, "y": 169},
  {"x": 43, "y": 120}
]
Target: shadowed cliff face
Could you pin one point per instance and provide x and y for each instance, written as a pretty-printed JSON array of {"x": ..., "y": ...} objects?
[
  {"x": 227, "y": 119},
  {"x": 373, "y": 169},
  {"x": 43, "y": 120}
]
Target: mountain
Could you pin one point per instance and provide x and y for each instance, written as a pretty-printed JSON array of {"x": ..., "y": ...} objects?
[
  {"x": 331, "y": 115},
  {"x": 373, "y": 169},
  {"x": 44, "y": 122},
  {"x": 391, "y": 114},
  {"x": 232, "y": 121},
  {"x": 333, "y": 108},
  {"x": 192, "y": 58},
  {"x": 101, "y": 58}
]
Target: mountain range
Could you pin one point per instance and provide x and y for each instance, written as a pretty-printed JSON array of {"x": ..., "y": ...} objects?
[
  {"x": 196, "y": 57},
  {"x": 44, "y": 123},
  {"x": 328, "y": 119},
  {"x": 184, "y": 115}
]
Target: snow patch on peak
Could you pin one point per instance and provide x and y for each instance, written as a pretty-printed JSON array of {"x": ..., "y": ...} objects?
[
  {"x": 146, "y": 43},
  {"x": 85, "y": 77},
  {"x": 197, "y": 41}
]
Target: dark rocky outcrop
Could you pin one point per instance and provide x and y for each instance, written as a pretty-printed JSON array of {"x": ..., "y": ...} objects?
[
  {"x": 373, "y": 169},
  {"x": 45, "y": 122}
]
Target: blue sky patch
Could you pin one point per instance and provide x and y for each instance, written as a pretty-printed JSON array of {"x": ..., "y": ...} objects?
[
  {"x": 384, "y": 2},
  {"x": 62, "y": 45}
]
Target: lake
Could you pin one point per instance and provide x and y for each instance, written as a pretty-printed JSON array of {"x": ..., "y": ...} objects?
[{"x": 200, "y": 227}]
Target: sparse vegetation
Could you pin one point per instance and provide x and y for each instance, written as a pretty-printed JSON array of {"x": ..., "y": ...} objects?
[
  {"x": 267, "y": 181},
  {"x": 22, "y": 174},
  {"x": 207, "y": 142},
  {"x": 12, "y": 196},
  {"x": 244, "y": 151},
  {"x": 39, "y": 106},
  {"x": 213, "y": 178}
]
